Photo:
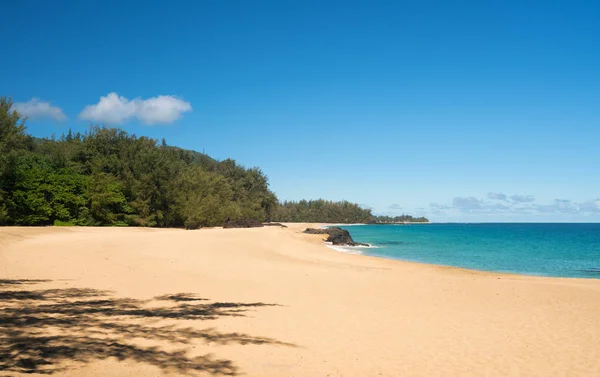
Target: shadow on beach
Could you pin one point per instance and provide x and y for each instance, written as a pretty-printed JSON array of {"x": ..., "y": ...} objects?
[{"x": 44, "y": 331}]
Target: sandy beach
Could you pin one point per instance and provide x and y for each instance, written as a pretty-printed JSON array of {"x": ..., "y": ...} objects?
[{"x": 274, "y": 302}]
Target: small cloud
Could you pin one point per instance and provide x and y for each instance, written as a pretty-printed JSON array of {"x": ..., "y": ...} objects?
[
  {"x": 467, "y": 204},
  {"x": 439, "y": 206},
  {"x": 38, "y": 109},
  {"x": 525, "y": 210},
  {"x": 566, "y": 206},
  {"x": 559, "y": 206},
  {"x": 115, "y": 109},
  {"x": 497, "y": 196},
  {"x": 365, "y": 206},
  {"x": 395, "y": 206},
  {"x": 472, "y": 204},
  {"x": 517, "y": 205},
  {"x": 590, "y": 206},
  {"x": 496, "y": 207},
  {"x": 522, "y": 198}
]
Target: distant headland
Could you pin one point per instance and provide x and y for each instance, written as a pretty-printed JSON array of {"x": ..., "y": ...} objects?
[{"x": 403, "y": 219}]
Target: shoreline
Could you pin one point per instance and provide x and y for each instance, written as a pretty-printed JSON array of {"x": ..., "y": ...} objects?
[
  {"x": 280, "y": 303},
  {"x": 328, "y": 246},
  {"x": 356, "y": 250},
  {"x": 433, "y": 266}
]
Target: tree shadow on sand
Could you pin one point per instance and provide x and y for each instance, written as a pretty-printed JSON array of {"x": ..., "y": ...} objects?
[{"x": 45, "y": 330}]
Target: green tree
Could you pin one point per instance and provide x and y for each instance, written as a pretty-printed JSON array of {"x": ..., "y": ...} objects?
[
  {"x": 110, "y": 177},
  {"x": 13, "y": 141},
  {"x": 321, "y": 211},
  {"x": 107, "y": 204}
]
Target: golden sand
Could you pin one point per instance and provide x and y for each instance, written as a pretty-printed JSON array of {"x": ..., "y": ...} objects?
[{"x": 274, "y": 302}]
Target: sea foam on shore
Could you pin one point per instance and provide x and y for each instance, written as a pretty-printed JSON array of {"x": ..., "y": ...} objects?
[{"x": 350, "y": 249}]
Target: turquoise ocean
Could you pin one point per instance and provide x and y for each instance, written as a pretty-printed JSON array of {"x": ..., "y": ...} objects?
[{"x": 562, "y": 250}]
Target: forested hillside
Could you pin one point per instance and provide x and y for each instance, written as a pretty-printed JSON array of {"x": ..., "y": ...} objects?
[
  {"x": 400, "y": 219},
  {"x": 109, "y": 177},
  {"x": 321, "y": 211}
]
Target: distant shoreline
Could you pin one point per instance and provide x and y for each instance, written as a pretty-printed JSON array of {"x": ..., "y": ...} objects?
[{"x": 399, "y": 223}]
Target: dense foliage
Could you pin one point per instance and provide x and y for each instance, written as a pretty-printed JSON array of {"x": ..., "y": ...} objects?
[
  {"x": 109, "y": 177},
  {"x": 400, "y": 219},
  {"x": 321, "y": 211}
]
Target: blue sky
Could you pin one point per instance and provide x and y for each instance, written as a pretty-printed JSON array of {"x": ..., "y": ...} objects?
[{"x": 456, "y": 110}]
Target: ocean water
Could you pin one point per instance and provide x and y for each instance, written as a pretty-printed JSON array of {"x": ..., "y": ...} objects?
[{"x": 563, "y": 250}]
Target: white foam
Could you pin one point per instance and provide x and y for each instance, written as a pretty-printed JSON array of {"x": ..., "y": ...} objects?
[
  {"x": 354, "y": 247},
  {"x": 338, "y": 225},
  {"x": 344, "y": 249},
  {"x": 370, "y": 247}
]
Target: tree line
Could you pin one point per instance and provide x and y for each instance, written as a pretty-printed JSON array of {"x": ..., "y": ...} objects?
[
  {"x": 321, "y": 211},
  {"x": 324, "y": 211},
  {"x": 108, "y": 177},
  {"x": 400, "y": 219}
]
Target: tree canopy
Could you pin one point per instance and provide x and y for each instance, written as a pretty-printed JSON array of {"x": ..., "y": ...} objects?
[
  {"x": 322, "y": 211},
  {"x": 110, "y": 177},
  {"x": 400, "y": 219}
]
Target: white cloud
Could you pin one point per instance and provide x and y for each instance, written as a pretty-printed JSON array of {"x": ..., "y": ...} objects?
[
  {"x": 591, "y": 206},
  {"x": 475, "y": 205},
  {"x": 38, "y": 109},
  {"x": 559, "y": 206},
  {"x": 563, "y": 206},
  {"x": 438, "y": 209},
  {"x": 522, "y": 198},
  {"x": 115, "y": 109},
  {"x": 496, "y": 196},
  {"x": 439, "y": 206},
  {"x": 517, "y": 205},
  {"x": 395, "y": 206},
  {"x": 467, "y": 204}
]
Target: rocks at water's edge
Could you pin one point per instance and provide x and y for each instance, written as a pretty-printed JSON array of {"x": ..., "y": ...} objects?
[
  {"x": 337, "y": 236},
  {"x": 592, "y": 270}
]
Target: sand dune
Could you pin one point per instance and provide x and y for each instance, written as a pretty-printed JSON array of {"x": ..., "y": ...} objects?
[{"x": 274, "y": 302}]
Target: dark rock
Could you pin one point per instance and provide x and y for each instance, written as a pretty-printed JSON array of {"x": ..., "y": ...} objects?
[
  {"x": 275, "y": 224},
  {"x": 337, "y": 236},
  {"x": 315, "y": 231},
  {"x": 246, "y": 223},
  {"x": 592, "y": 270}
]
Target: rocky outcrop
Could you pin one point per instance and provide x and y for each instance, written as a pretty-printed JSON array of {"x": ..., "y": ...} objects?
[
  {"x": 337, "y": 236},
  {"x": 275, "y": 224},
  {"x": 592, "y": 270}
]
